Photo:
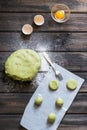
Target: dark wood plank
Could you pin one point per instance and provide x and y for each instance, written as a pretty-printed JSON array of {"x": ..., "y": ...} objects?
[
  {"x": 15, "y": 21},
  {"x": 78, "y": 63},
  {"x": 44, "y": 41},
  {"x": 15, "y": 103},
  {"x": 11, "y": 20},
  {"x": 8, "y": 85},
  {"x": 73, "y": 61},
  {"x": 70, "y": 122},
  {"x": 40, "y": 5}
]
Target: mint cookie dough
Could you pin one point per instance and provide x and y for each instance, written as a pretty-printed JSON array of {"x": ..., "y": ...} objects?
[
  {"x": 51, "y": 117},
  {"x": 53, "y": 84},
  {"x": 59, "y": 102},
  {"x": 23, "y": 65},
  {"x": 38, "y": 100},
  {"x": 71, "y": 84}
]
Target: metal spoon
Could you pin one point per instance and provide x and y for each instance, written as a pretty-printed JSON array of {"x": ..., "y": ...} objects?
[{"x": 57, "y": 73}]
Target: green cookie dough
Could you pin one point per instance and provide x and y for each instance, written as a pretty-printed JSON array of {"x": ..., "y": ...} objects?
[
  {"x": 38, "y": 100},
  {"x": 51, "y": 117},
  {"x": 71, "y": 84},
  {"x": 23, "y": 65},
  {"x": 53, "y": 84},
  {"x": 59, "y": 102}
]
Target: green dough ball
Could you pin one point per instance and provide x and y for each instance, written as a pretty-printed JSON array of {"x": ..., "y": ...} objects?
[
  {"x": 23, "y": 65},
  {"x": 53, "y": 84},
  {"x": 71, "y": 84},
  {"x": 38, "y": 100},
  {"x": 51, "y": 117},
  {"x": 59, "y": 102}
]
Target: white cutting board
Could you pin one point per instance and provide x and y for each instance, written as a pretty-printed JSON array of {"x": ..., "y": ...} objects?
[{"x": 35, "y": 118}]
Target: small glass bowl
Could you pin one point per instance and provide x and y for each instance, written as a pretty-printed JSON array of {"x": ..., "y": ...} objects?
[{"x": 58, "y": 7}]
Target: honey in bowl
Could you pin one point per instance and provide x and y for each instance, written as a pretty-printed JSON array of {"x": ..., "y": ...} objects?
[{"x": 60, "y": 15}]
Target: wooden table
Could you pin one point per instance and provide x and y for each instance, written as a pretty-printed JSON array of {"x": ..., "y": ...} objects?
[{"x": 66, "y": 45}]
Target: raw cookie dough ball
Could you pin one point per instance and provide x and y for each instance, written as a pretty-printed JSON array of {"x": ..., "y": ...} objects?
[
  {"x": 71, "y": 84},
  {"x": 59, "y": 102},
  {"x": 23, "y": 65},
  {"x": 51, "y": 117},
  {"x": 53, "y": 84},
  {"x": 38, "y": 100}
]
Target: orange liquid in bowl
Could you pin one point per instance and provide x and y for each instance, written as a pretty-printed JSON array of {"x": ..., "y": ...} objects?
[{"x": 60, "y": 14}]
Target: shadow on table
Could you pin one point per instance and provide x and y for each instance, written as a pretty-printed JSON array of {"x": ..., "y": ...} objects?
[{"x": 21, "y": 128}]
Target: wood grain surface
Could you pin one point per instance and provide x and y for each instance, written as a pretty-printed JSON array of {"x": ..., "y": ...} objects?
[
  {"x": 69, "y": 60},
  {"x": 11, "y": 86},
  {"x": 46, "y": 41},
  {"x": 70, "y": 122},
  {"x": 15, "y": 21},
  {"x": 19, "y": 100},
  {"x": 66, "y": 44},
  {"x": 40, "y": 5}
]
